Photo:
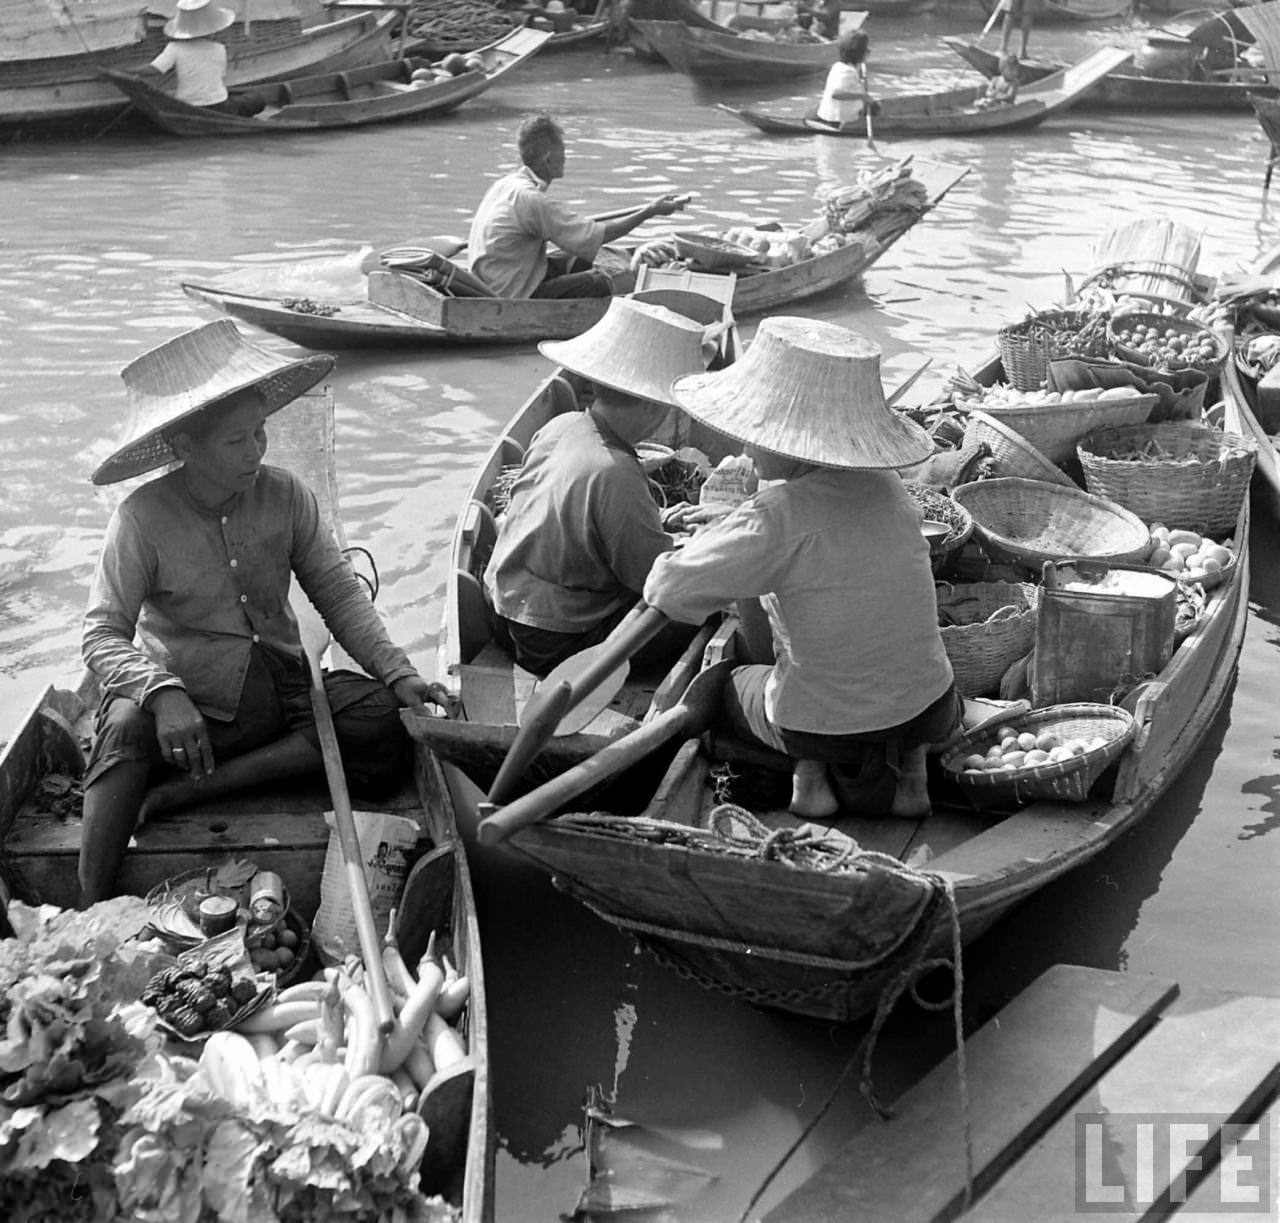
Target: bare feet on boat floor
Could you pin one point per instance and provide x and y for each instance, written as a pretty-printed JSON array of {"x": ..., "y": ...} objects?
[{"x": 811, "y": 792}]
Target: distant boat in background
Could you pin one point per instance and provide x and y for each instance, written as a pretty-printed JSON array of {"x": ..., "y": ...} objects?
[
  {"x": 1049, "y": 12},
  {"x": 51, "y": 56}
]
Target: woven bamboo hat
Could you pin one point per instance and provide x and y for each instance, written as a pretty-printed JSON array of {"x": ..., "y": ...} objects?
[
  {"x": 189, "y": 373},
  {"x": 638, "y": 347},
  {"x": 810, "y": 391},
  {"x": 198, "y": 19}
]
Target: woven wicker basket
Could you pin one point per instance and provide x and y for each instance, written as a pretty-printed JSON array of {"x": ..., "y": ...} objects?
[
  {"x": 1068, "y": 780},
  {"x": 1164, "y": 322},
  {"x": 1200, "y": 486},
  {"x": 712, "y": 252},
  {"x": 938, "y": 507},
  {"x": 1014, "y": 455},
  {"x": 985, "y": 628},
  {"x": 1026, "y": 348},
  {"x": 1055, "y": 428},
  {"x": 1029, "y": 522}
]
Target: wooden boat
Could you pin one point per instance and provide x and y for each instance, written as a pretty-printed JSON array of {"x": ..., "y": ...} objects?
[
  {"x": 282, "y": 829},
  {"x": 376, "y": 93},
  {"x": 63, "y": 88},
  {"x": 950, "y": 112},
  {"x": 399, "y": 310},
  {"x": 1127, "y": 90},
  {"x": 1057, "y": 12},
  {"x": 708, "y": 55},
  {"x": 645, "y": 855}
]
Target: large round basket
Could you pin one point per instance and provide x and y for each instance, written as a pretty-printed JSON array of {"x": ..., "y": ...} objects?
[
  {"x": 1026, "y": 348},
  {"x": 1180, "y": 473},
  {"x": 1197, "y": 338},
  {"x": 713, "y": 253},
  {"x": 1014, "y": 455},
  {"x": 1029, "y": 522},
  {"x": 1055, "y": 428},
  {"x": 1066, "y": 780},
  {"x": 985, "y": 627},
  {"x": 938, "y": 507}
]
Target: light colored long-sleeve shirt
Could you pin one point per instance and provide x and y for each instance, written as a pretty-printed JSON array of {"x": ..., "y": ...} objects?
[
  {"x": 843, "y": 572},
  {"x": 510, "y": 231},
  {"x": 580, "y": 533},
  {"x": 201, "y": 68},
  {"x": 182, "y": 593}
]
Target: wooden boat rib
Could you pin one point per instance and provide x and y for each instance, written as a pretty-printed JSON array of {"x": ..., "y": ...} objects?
[
  {"x": 951, "y": 112},
  {"x": 643, "y": 854},
  {"x": 1123, "y": 90},
  {"x": 376, "y": 93},
  {"x": 399, "y": 310},
  {"x": 709, "y": 55},
  {"x": 69, "y": 91},
  {"x": 282, "y": 829}
]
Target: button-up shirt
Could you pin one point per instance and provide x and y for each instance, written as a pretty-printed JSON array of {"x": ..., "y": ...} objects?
[
  {"x": 848, "y": 588},
  {"x": 511, "y": 228},
  {"x": 580, "y": 533},
  {"x": 182, "y": 593}
]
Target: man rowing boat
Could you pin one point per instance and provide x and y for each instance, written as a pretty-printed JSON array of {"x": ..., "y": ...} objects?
[
  {"x": 833, "y": 554},
  {"x": 516, "y": 219},
  {"x": 204, "y": 687}
]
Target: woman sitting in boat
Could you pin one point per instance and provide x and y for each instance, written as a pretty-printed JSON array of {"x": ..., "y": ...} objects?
[
  {"x": 1002, "y": 89},
  {"x": 832, "y": 553},
  {"x": 582, "y": 528},
  {"x": 205, "y": 689},
  {"x": 200, "y": 61},
  {"x": 844, "y": 96},
  {"x": 516, "y": 219}
]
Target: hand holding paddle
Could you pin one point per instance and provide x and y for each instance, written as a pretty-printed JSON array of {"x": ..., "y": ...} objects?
[{"x": 549, "y": 703}]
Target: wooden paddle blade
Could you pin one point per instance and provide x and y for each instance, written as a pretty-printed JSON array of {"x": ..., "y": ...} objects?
[
  {"x": 570, "y": 672},
  {"x": 542, "y": 715}
]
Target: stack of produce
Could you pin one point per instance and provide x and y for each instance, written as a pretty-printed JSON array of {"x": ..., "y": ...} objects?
[
  {"x": 1190, "y": 556},
  {"x": 440, "y": 26}
]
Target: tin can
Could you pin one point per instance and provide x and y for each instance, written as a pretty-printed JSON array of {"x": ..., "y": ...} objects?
[
  {"x": 266, "y": 898},
  {"x": 216, "y": 914}
]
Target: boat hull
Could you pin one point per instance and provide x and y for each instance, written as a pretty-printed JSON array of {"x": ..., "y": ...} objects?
[{"x": 709, "y": 55}]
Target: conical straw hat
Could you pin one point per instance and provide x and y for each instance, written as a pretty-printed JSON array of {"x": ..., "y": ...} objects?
[
  {"x": 638, "y": 348},
  {"x": 198, "y": 19},
  {"x": 189, "y": 373},
  {"x": 810, "y": 391}
]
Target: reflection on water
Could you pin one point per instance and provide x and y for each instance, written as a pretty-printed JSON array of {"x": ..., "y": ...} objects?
[{"x": 95, "y": 238}]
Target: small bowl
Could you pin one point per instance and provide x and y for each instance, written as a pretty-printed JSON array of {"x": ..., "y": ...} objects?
[
  {"x": 936, "y": 533},
  {"x": 653, "y": 455}
]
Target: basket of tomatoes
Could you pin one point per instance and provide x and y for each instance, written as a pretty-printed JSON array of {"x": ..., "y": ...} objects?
[{"x": 1161, "y": 341}]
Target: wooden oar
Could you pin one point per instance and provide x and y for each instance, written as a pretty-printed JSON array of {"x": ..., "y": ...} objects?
[
  {"x": 548, "y": 705},
  {"x": 689, "y": 717},
  {"x": 571, "y": 672},
  {"x": 908, "y": 383},
  {"x": 315, "y": 638}
]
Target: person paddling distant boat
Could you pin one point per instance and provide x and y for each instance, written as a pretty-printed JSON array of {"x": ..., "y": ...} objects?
[
  {"x": 845, "y": 100},
  {"x": 199, "y": 60},
  {"x": 205, "y": 690},
  {"x": 516, "y": 219}
]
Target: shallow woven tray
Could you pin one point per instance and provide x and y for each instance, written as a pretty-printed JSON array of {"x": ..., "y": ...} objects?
[
  {"x": 1055, "y": 428},
  {"x": 985, "y": 627},
  {"x": 1029, "y": 522},
  {"x": 1014, "y": 455},
  {"x": 938, "y": 507},
  {"x": 1200, "y": 490},
  {"x": 1067, "y": 780},
  {"x": 713, "y": 253}
]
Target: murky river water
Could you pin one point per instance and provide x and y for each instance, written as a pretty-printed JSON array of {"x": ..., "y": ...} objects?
[{"x": 94, "y": 238}]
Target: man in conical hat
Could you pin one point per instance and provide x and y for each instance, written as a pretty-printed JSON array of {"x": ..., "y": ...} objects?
[
  {"x": 834, "y": 553},
  {"x": 582, "y": 528},
  {"x": 205, "y": 690}
]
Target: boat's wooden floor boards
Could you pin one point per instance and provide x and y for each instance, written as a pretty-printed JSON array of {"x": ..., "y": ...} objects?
[{"x": 1078, "y": 1041}]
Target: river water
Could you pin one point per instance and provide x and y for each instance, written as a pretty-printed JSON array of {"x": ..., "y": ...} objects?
[{"x": 95, "y": 236}]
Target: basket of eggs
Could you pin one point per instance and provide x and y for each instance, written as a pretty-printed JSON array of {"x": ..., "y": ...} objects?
[{"x": 1058, "y": 752}]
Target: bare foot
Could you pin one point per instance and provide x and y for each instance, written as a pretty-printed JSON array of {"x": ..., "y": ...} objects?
[
  {"x": 911, "y": 798},
  {"x": 811, "y": 792}
]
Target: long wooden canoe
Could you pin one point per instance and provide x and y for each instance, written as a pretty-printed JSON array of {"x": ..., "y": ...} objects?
[
  {"x": 282, "y": 829},
  {"x": 709, "y": 55},
  {"x": 401, "y": 311},
  {"x": 733, "y": 913},
  {"x": 953, "y": 111},
  {"x": 685, "y": 11},
  {"x": 1127, "y": 90},
  {"x": 69, "y": 92},
  {"x": 1051, "y": 12},
  {"x": 377, "y": 93}
]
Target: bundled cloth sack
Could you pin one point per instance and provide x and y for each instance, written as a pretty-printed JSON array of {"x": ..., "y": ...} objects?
[{"x": 1181, "y": 392}]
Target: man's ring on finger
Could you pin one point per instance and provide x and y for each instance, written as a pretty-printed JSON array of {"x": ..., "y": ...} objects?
[{"x": 178, "y": 749}]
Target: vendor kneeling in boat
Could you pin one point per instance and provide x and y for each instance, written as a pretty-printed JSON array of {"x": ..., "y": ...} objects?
[
  {"x": 213, "y": 696},
  {"x": 833, "y": 551},
  {"x": 516, "y": 219},
  {"x": 582, "y": 529}
]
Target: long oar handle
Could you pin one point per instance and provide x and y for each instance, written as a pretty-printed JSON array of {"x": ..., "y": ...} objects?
[
  {"x": 641, "y": 625},
  {"x": 610, "y": 760},
  {"x": 349, "y": 843}
]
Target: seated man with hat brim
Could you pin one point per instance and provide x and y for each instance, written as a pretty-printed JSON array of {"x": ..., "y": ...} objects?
[
  {"x": 834, "y": 552},
  {"x": 199, "y": 60},
  {"x": 205, "y": 687},
  {"x": 582, "y": 528}
]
